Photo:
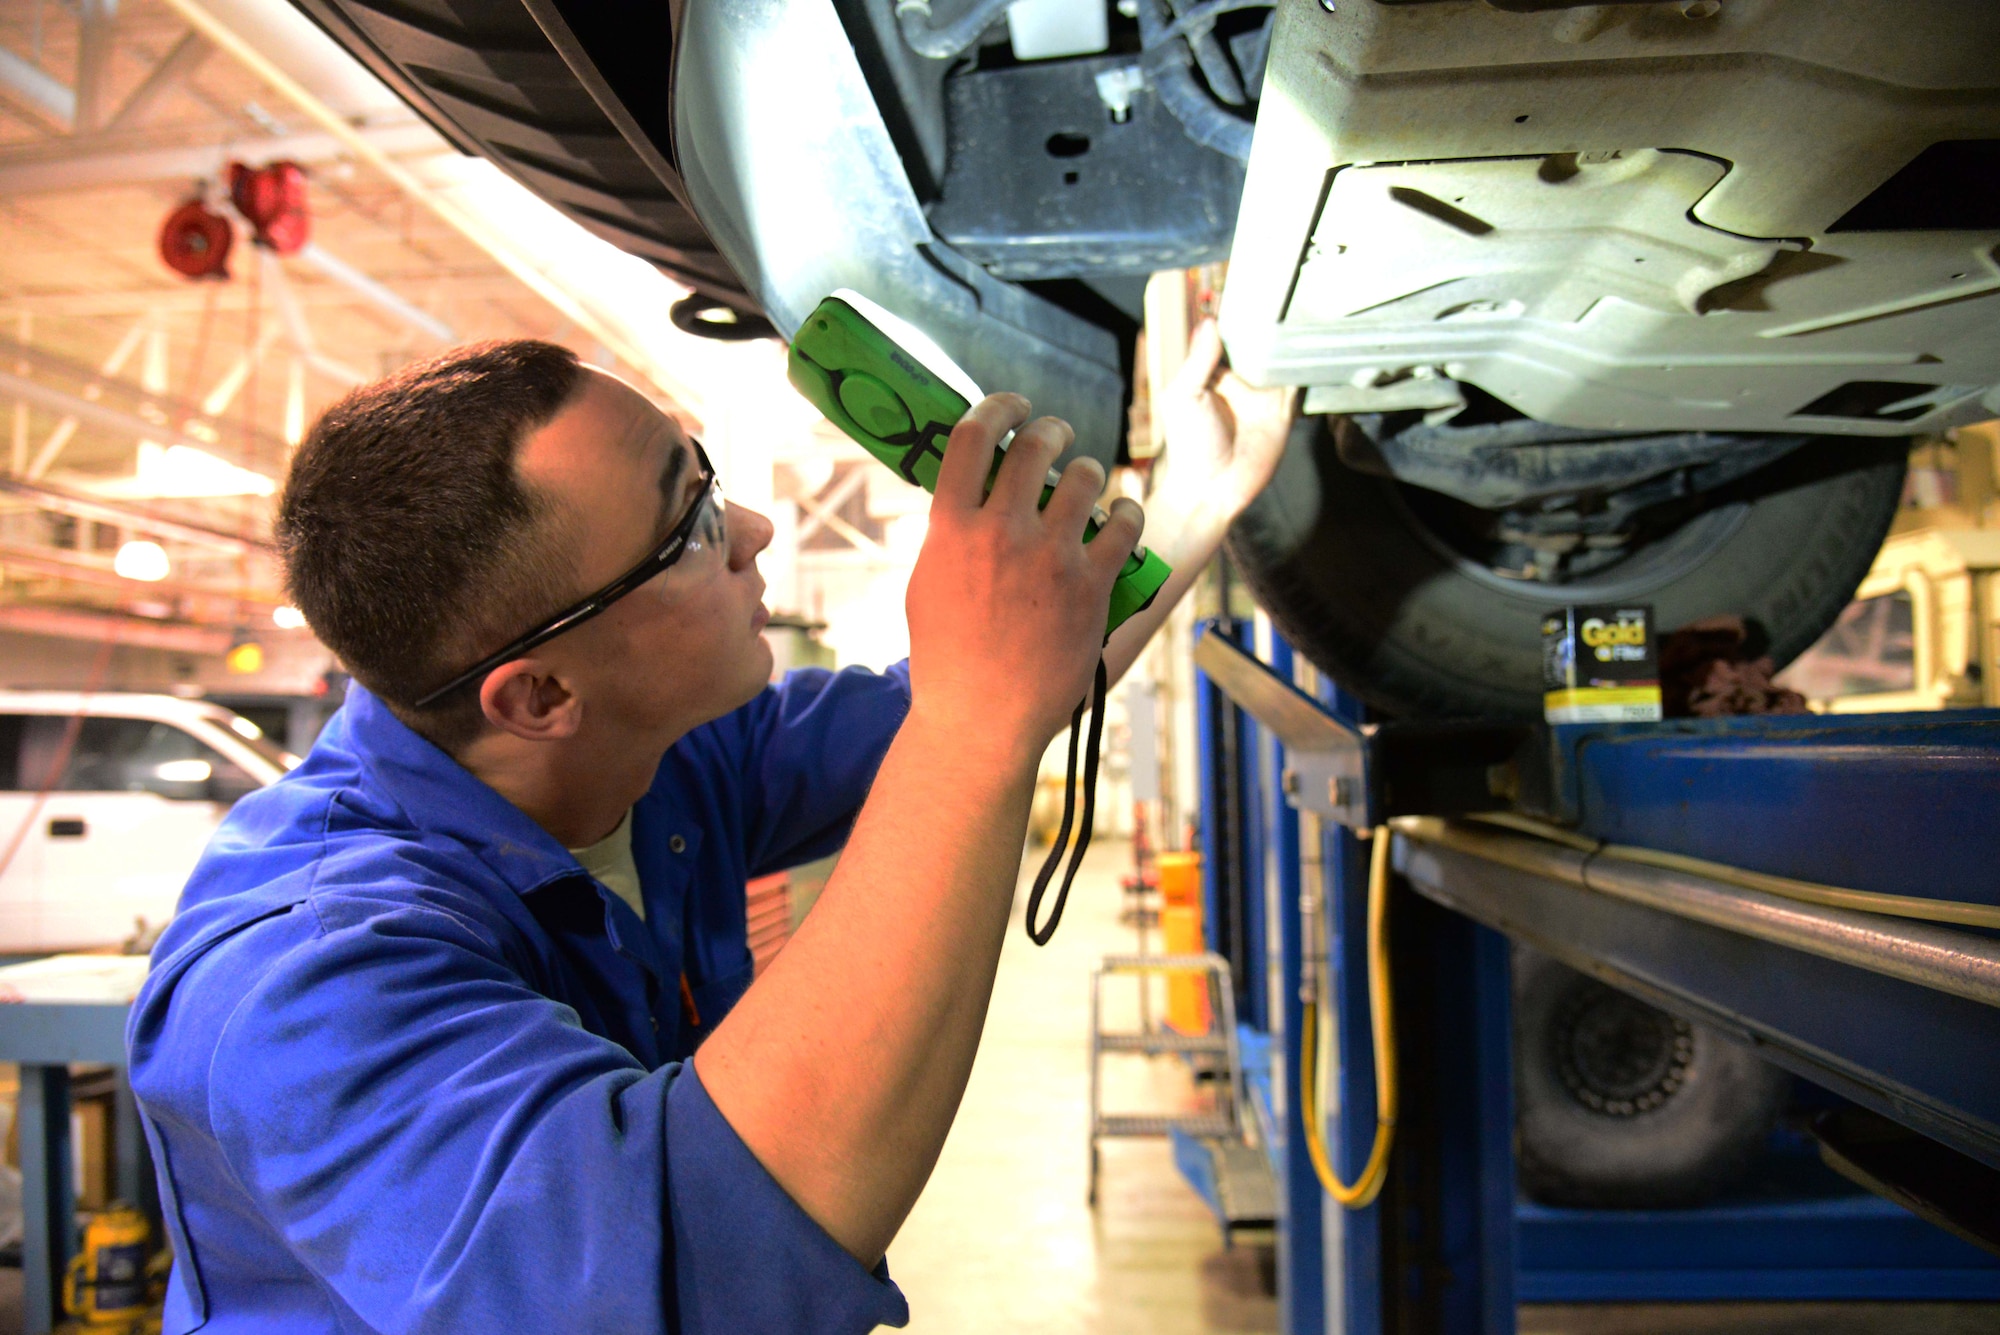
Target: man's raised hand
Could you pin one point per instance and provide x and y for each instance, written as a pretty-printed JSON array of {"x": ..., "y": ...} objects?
[{"x": 1007, "y": 602}]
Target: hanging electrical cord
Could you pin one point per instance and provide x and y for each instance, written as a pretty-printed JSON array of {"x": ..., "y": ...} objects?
[
  {"x": 1368, "y": 1185},
  {"x": 1805, "y": 892},
  {"x": 201, "y": 345},
  {"x": 1095, "y": 704},
  {"x": 913, "y": 18}
]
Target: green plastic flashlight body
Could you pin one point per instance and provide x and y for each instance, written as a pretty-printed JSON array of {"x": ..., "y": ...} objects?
[{"x": 902, "y": 412}]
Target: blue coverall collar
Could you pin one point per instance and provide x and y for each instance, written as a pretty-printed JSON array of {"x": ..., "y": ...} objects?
[
  {"x": 446, "y": 799},
  {"x": 443, "y": 796}
]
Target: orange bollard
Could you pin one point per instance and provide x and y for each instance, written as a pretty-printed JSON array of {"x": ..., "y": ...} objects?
[
  {"x": 1180, "y": 878},
  {"x": 1180, "y": 925}
]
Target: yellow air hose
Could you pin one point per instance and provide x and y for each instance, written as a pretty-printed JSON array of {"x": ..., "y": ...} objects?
[
  {"x": 1375, "y": 1172},
  {"x": 1368, "y": 1185}
]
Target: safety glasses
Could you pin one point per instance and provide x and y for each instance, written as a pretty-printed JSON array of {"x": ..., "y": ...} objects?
[{"x": 701, "y": 537}]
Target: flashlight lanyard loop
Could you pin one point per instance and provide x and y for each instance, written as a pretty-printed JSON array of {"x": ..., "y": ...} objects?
[{"x": 1095, "y": 704}]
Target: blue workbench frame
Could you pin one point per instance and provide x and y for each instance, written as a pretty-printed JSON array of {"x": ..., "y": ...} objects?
[{"x": 45, "y": 1038}]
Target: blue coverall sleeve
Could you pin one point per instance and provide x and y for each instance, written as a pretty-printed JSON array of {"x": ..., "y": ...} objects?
[
  {"x": 446, "y": 1149},
  {"x": 809, "y": 749}
]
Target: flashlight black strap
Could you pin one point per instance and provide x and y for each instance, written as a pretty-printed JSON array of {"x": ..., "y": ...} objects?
[{"x": 1095, "y": 704}]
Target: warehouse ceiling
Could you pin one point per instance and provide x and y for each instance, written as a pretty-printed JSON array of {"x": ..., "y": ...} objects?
[{"x": 141, "y": 406}]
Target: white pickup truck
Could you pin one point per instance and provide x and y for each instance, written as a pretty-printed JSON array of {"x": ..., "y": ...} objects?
[
  {"x": 106, "y": 801},
  {"x": 1923, "y": 631}
]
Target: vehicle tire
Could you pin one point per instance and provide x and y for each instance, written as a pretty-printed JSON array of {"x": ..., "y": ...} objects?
[
  {"x": 1618, "y": 1103},
  {"x": 1369, "y": 591}
]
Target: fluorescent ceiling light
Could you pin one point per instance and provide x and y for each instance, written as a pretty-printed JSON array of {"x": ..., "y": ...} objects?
[
  {"x": 182, "y": 472},
  {"x": 141, "y": 560}
]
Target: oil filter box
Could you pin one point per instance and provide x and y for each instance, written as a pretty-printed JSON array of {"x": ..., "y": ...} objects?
[{"x": 1600, "y": 665}]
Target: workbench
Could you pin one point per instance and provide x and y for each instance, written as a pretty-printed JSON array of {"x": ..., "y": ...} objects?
[{"x": 54, "y": 1012}]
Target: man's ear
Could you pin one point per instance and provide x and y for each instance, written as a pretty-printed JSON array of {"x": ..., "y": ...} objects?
[{"x": 526, "y": 699}]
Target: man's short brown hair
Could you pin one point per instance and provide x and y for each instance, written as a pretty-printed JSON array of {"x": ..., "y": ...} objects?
[{"x": 410, "y": 541}]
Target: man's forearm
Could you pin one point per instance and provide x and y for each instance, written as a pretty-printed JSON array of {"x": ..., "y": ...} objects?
[{"x": 842, "y": 1069}]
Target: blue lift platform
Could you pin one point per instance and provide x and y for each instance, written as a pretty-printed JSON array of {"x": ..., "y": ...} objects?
[{"x": 1893, "y": 1024}]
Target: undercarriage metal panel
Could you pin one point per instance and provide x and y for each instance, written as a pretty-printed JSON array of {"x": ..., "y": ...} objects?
[
  {"x": 1619, "y": 217},
  {"x": 792, "y": 171},
  {"x": 1043, "y": 183}
]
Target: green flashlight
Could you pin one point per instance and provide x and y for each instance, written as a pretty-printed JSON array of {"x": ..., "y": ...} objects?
[{"x": 898, "y": 395}]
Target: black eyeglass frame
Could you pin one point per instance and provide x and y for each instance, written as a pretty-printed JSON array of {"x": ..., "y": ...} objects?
[{"x": 670, "y": 550}]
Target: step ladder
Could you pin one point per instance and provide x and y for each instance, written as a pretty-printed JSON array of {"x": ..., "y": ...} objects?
[{"x": 1220, "y": 1122}]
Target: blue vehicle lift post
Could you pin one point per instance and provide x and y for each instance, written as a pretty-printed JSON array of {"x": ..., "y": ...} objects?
[{"x": 1448, "y": 1247}]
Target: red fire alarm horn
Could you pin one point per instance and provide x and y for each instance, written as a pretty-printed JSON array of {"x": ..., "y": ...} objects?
[
  {"x": 272, "y": 199},
  {"x": 195, "y": 241}
]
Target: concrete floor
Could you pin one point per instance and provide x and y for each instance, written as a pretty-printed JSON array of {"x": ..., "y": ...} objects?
[{"x": 1003, "y": 1239}]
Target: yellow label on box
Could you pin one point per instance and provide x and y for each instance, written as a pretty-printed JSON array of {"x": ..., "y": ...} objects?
[{"x": 1603, "y": 704}]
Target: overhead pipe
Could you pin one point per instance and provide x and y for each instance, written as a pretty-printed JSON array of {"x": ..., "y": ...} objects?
[
  {"x": 486, "y": 284},
  {"x": 340, "y": 271},
  {"x": 116, "y": 159},
  {"x": 37, "y": 89},
  {"x": 64, "y": 502},
  {"x": 105, "y": 378},
  {"x": 93, "y": 62},
  {"x": 111, "y": 419},
  {"x": 136, "y": 632},
  {"x": 56, "y": 564}
]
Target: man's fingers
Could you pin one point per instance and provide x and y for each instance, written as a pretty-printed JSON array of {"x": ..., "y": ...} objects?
[
  {"x": 1248, "y": 398},
  {"x": 1204, "y": 355},
  {"x": 1025, "y": 470},
  {"x": 1120, "y": 534},
  {"x": 968, "y": 454},
  {"x": 1068, "y": 509}
]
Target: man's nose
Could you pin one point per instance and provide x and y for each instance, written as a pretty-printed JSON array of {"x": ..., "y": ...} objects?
[{"x": 749, "y": 534}]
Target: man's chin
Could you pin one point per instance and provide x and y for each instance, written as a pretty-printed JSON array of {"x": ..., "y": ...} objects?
[{"x": 759, "y": 671}]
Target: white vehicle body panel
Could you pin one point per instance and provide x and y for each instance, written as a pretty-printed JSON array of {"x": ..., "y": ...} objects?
[
  {"x": 1949, "y": 579},
  {"x": 1618, "y": 217},
  {"x": 97, "y": 867}
]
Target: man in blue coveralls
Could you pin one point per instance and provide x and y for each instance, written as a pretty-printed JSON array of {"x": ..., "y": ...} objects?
[{"x": 454, "y": 1030}]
